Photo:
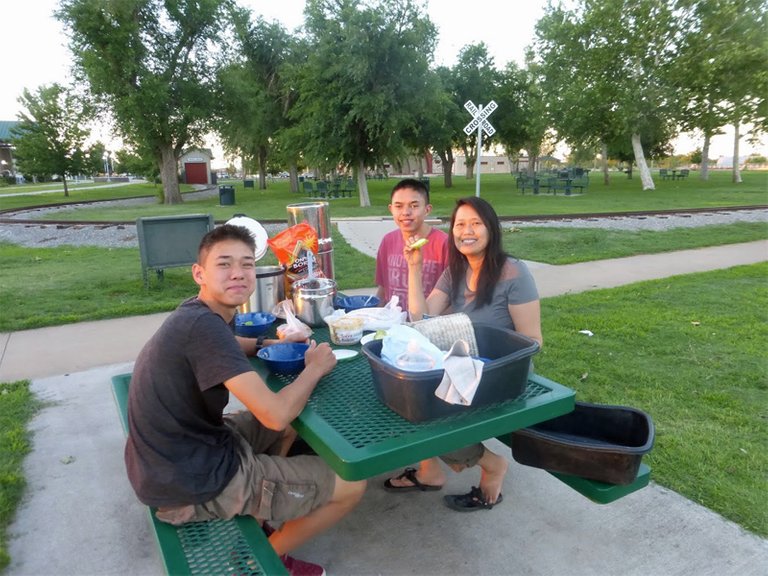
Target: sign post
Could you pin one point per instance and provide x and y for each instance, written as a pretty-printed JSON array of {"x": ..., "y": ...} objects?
[{"x": 480, "y": 124}]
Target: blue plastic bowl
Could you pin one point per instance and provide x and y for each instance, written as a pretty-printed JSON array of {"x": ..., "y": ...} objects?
[
  {"x": 350, "y": 303},
  {"x": 253, "y": 324},
  {"x": 284, "y": 357}
]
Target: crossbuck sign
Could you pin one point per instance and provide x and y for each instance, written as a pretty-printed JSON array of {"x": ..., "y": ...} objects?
[
  {"x": 479, "y": 118},
  {"x": 481, "y": 124}
]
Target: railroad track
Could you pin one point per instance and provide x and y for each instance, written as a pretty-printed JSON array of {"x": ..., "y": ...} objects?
[{"x": 6, "y": 216}]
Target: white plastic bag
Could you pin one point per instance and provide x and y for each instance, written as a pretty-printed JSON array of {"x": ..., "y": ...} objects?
[
  {"x": 294, "y": 330},
  {"x": 380, "y": 318},
  {"x": 405, "y": 347}
]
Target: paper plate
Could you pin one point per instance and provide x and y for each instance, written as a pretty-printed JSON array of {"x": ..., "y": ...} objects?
[
  {"x": 367, "y": 338},
  {"x": 257, "y": 231},
  {"x": 342, "y": 355}
]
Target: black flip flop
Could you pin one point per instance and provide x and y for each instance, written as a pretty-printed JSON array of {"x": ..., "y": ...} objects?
[
  {"x": 410, "y": 475},
  {"x": 469, "y": 502}
]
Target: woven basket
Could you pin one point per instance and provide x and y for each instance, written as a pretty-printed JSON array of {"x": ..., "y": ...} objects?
[{"x": 443, "y": 331}]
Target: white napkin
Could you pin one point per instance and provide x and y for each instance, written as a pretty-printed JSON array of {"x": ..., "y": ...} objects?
[{"x": 462, "y": 375}]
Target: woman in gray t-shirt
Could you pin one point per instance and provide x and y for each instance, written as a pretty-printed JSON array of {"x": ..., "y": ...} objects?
[{"x": 485, "y": 283}]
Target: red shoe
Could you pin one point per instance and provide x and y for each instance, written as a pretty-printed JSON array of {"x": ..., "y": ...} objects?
[{"x": 298, "y": 567}]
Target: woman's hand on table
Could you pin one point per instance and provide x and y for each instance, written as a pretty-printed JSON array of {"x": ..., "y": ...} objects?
[{"x": 319, "y": 357}]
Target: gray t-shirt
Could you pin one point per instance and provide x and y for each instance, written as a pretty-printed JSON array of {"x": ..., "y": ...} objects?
[
  {"x": 515, "y": 286},
  {"x": 179, "y": 451}
]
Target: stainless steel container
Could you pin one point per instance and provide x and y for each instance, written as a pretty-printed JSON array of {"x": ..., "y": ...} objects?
[
  {"x": 313, "y": 300},
  {"x": 270, "y": 289},
  {"x": 316, "y": 214}
]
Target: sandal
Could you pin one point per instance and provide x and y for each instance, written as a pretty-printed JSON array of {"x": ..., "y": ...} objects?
[
  {"x": 473, "y": 500},
  {"x": 410, "y": 475}
]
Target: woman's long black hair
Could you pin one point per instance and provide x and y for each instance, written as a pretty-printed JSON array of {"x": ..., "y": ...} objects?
[{"x": 495, "y": 257}]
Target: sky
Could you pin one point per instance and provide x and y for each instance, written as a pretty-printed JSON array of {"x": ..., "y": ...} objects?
[{"x": 39, "y": 56}]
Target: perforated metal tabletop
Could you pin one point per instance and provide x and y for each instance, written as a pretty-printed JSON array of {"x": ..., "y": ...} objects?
[{"x": 359, "y": 437}]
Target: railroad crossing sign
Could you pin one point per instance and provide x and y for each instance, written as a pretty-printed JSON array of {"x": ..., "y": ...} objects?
[
  {"x": 481, "y": 124},
  {"x": 479, "y": 118}
]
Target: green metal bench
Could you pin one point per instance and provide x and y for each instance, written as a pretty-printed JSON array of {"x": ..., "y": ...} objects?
[{"x": 237, "y": 546}]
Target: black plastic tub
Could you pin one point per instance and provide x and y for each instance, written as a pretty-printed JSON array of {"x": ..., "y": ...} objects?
[
  {"x": 599, "y": 442},
  {"x": 507, "y": 356}
]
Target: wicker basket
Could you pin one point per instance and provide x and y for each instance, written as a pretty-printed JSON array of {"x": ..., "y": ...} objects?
[{"x": 443, "y": 331}]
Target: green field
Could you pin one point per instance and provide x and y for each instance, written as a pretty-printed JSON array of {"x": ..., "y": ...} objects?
[{"x": 622, "y": 195}]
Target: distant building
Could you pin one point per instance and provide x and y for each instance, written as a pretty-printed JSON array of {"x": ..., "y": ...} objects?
[{"x": 195, "y": 165}]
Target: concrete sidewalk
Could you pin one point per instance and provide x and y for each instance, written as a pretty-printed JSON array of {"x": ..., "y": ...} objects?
[{"x": 80, "y": 516}]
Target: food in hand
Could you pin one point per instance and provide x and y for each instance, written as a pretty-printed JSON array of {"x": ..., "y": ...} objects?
[{"x": 419, "y": 243}]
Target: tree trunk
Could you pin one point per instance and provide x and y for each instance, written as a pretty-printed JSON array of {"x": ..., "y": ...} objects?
[
  {"x": 362, "y": 185},
  {"x": 293, "y": 170},
  {"x": 704, "y": 170},
  {"x": 420, "y": 168},
  {"x": 469, "y": 164},
  {"x": 66, "y": 189},
  {"x": 262, "y": 167},
  {"x": 645, "y": 172},
  {"x": 446, "y": 157},
  {"x": 169, "y": 175},
  {"x": 736, "y": 169},
  {"x": 531, "y": 170},
  {"x": 604, "y": 163}
]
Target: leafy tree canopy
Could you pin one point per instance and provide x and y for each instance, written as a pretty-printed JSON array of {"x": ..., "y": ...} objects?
[
  {"x": 148, "y": 61},
  {"x": 51, "y": 133}
]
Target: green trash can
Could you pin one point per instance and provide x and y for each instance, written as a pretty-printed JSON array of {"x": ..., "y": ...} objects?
[{"x": 226, "y": 195}]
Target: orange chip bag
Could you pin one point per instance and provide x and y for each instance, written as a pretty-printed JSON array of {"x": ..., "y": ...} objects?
[{"x": 293, "y": 247}]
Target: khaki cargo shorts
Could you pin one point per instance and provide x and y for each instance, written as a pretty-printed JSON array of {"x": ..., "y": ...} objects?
[{"x": 265, "y": 486}]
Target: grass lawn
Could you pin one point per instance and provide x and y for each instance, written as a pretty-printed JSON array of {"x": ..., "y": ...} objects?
[
  {"x": 690, "y": 351},
  {"x": 621, "y": 195},
  {"x": 17, "y": 406}
]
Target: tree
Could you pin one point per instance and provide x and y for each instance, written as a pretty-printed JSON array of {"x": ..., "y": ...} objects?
[
  {"x": 474, "y": 78},
  {"x": 605, "y": 65},
  {"x": 364, "y": 74},
  {"x": 50, "y": 135},
  {"x": 138, "y": 165},
  {"x": 148, "y": 63},
  {"x": 251, "y": 105},
  {"x": 723, "y": 68},
  {"x": 432, "y": 127},
  {"x": 521, "y": 120},
  {"x": 448, "y": 116}
]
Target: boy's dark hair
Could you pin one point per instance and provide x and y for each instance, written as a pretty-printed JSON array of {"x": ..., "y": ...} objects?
[
  {"x": 495, "y": 257},
  {"x": 221, "y": 234},
  {"x": 413, "y": 184}
]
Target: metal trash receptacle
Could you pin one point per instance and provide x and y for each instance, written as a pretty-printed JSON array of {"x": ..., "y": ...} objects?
[{"x": 226, "y": 195}]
